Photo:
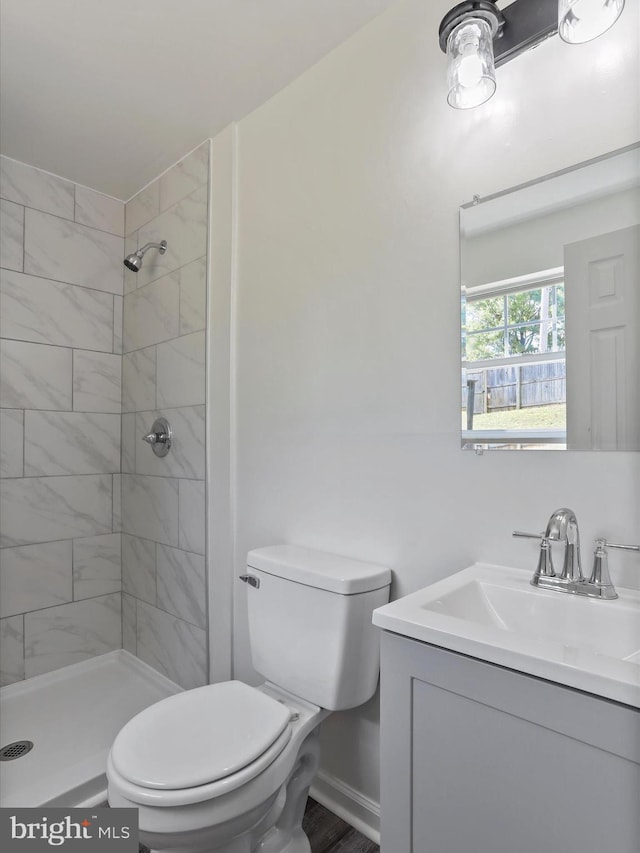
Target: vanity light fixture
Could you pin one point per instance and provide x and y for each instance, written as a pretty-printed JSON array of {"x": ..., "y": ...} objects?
[
  {"x": 477, "y": 37},
  {"x": 585, "y": 20}
]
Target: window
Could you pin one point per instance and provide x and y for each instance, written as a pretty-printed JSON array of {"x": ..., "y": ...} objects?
[
  {"x": 514, "y": 382},
  {"x": 523, "y": 321}
]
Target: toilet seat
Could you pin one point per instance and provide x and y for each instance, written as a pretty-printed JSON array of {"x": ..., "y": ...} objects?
[
  {"x": 199, "y": 739},
  {"x": 170, "y": 797}
]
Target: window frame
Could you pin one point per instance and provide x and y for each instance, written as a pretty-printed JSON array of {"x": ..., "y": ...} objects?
[{"x": 480, "y": 439}]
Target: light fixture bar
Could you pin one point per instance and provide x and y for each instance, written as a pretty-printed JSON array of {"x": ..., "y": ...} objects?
[{"x": 526, "y": 24}]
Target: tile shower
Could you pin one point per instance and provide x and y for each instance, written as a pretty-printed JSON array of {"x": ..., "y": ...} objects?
[
  {"x": 89, "y": 356},
  {"x": 163, "y": 373}
]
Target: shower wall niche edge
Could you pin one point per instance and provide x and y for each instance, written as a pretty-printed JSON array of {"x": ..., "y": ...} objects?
[{"x": 165, "y": 616}]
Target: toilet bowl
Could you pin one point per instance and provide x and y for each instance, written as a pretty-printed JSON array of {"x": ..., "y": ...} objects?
[
  {"x": 227, "y": 753},
  {"x": 226, "y": 768}
]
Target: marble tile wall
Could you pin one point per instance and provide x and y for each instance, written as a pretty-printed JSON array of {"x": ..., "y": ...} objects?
[
  {"x": 163, "y": 373},
  {"x": 61, "y": 305}
]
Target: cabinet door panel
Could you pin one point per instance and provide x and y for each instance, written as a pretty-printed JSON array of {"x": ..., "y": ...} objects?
[
  {"x": 480, "y": 759},
  {"x": 489, "y": 782}
]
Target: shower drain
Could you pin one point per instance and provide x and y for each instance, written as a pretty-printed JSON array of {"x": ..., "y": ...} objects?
[{"x": 15, "y": 750}]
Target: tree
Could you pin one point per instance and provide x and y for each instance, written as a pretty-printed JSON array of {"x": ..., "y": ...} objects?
[{"x": 514, "y": 323}]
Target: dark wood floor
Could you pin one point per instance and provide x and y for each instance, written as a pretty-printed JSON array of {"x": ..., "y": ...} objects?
[{"x": 328, "y": 833}]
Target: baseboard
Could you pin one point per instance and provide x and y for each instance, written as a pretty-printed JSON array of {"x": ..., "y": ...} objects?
[{"x": 362, "y": 813}]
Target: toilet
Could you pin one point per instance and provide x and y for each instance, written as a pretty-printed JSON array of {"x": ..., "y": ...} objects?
[{"x": 226, "y": 768}]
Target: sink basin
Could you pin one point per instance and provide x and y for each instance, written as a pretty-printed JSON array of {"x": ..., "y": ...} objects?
[
  {"x": 493, "y": 613},
  {"x": 613, "y": 630}
]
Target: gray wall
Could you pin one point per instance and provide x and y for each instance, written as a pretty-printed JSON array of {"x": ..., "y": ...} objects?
[{"x": 61, "y": 325}]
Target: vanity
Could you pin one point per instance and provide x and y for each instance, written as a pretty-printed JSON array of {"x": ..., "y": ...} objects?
[
  {"x": 510, "y": 718},
  {"x": 510, "y": 704}
]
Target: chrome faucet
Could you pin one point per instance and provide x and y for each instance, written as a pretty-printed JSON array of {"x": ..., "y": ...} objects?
[{"x": 563, "y": 527}]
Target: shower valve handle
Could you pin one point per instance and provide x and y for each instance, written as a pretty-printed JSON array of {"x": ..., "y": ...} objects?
[
  {"x": 155, "y": 437},
  {"x": 160, "y": 437}
]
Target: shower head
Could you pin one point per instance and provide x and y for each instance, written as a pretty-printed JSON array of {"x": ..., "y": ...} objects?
[{"x": 133, "y": 262}]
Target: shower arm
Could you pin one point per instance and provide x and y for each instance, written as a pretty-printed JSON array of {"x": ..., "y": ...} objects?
[{"x": 161, "y": 246}]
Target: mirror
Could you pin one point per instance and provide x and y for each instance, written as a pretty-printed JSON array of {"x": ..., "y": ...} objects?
[{"x": 550, "y": 319}]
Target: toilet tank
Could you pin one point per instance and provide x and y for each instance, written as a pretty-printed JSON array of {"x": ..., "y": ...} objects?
[{"x": 310, "y": 623}]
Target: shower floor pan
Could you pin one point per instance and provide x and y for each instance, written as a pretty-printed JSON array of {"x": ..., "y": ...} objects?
[{"x": 72, "y": 716}]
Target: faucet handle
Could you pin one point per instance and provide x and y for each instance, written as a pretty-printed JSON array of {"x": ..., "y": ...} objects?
[
  {"x": 600, "y": 577},
  {"x": 160, "y": 437},
  {"x": 622, "y": 547},
  {"x": 544, "y": 568},
  {"x": 545, "y": 563}
]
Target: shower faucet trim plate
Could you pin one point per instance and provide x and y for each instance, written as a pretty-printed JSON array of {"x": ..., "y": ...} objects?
[{"x": 160, "y": 437}]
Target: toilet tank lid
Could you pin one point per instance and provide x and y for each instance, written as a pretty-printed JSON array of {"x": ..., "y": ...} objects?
[{"x": 315, "y": 568}]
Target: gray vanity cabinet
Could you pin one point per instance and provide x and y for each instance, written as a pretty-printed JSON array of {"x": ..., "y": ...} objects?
[{"x": 481, "y": 759}]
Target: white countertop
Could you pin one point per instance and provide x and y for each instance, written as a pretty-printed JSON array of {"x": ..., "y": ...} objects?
[{"x": 494, "y": 614}]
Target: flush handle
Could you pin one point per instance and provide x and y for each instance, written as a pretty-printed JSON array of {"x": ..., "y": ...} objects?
[
  {"x": 160, "y": 437},
  {"x": 251, "y": 580}
]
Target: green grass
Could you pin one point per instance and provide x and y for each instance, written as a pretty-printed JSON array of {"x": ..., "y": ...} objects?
[{"x": 534, "y": 417}]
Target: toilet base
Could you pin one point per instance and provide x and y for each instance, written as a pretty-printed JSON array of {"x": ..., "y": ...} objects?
[
  {"x": 298, "y": 843},
  {"x": 278, "y": 829},
  {"x": 287, "y": 836}
]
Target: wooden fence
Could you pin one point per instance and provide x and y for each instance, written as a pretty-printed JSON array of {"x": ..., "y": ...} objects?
[{"x": 516, "y": 386}]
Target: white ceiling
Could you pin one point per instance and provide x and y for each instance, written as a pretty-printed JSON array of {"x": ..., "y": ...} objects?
[{"x": 109, "y": 93}]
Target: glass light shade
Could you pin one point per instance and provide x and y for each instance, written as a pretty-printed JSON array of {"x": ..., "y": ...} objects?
[
  {"x": 583, "y": 20},
  {"x": 471, "y": 73}
]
